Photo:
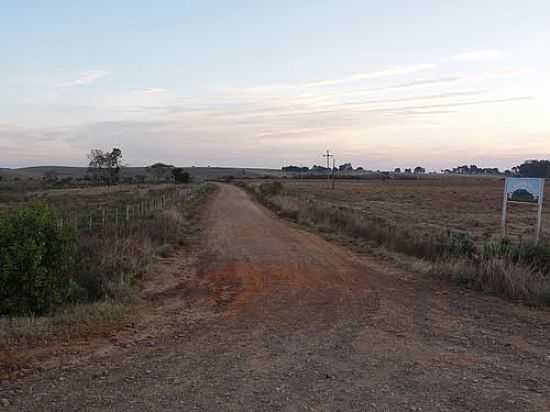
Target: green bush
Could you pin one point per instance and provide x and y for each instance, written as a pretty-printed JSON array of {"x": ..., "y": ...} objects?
[{"x": 35, "y": 258}]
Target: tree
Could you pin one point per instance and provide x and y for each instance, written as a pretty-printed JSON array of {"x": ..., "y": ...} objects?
[
  {"x": 397, "y": 170},
  {"x": 105, "y": 166},
  {"x": 419, "y": 170},
  {"x": 180, "y": 176},
  {"x": 317, "y": 168},
  {"x": 346, "y": 167},
  {"x": 533, "y": 168},
  {"x": 161, "y": 172},
  {"x": 114, "y": 164},
  {"x": 96, "y": 164},
  {"x": 295, "y": 169}
]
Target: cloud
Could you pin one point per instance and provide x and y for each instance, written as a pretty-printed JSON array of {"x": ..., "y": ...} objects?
[
  {"x": 395, "y": 71},
  {"x": 478, "y": 55},
  {"x": 427, "y": 82},
  {"x": 87, "y": 77},
  {"x": 445, "y": 95},
  {"x": 261, "y": 133},
  {"x": 431, "y": 107},
  {"x": 152, "y": 90}
]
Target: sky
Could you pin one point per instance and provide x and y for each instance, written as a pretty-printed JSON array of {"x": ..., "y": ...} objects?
[{"x": 382, "y": 84}]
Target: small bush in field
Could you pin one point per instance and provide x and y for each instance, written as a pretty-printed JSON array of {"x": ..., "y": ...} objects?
[{"x": 35, "y": 258}]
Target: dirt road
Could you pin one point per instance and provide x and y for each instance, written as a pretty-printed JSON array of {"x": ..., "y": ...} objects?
[{"x": 277, "y": 319}]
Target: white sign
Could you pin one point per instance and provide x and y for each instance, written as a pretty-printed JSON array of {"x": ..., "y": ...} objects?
[{"x": 523, "y": 190}]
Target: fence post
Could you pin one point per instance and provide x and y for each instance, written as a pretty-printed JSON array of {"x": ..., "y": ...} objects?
[
  {"x": 127, "y": 213},
  {"x": 91, "y": 222}
]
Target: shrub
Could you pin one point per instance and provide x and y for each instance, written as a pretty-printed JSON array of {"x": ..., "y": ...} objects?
[
  {"x": 35, "y": 258},
  {"x": 270, "y": 189},
  {"x": 180, "y": 176},
  {"x": 536, "y": 255}
]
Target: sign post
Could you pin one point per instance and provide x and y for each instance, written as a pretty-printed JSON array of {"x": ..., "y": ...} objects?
[
  {"x": 523, "y": 190},
  {"x": 539, "y": 214},
  {"x": 504, "y": 210}
]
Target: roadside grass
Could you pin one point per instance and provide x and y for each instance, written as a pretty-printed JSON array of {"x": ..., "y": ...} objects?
[
  {"x": 102, "y": 291},
  {"x": 518, "y": 271},
  {"x": 76, "y": 320}
]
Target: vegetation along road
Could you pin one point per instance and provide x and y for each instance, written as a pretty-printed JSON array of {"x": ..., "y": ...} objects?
[{"x": 275, "y": 318}]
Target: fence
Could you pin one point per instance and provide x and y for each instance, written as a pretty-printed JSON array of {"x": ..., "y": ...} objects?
[{"x": 103, "y": 217}]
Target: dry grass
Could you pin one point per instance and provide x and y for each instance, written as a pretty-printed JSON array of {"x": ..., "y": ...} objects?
[
  {"x": 498, "y": 276},
  {"x": 79, "y": 198},
  {"x": 470, "y": 204},
  {"x": 73, "y": 320},
  {"x": 440, "y": 227}
]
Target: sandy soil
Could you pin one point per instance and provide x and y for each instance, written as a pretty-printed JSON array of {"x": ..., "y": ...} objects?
[{"x": 275, "y": 318}]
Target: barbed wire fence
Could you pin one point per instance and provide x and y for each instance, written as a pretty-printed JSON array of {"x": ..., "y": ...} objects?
[{"x": 104, "y": 217}]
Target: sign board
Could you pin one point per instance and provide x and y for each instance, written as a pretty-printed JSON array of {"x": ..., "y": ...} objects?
[{"x": 523, "y": 190}]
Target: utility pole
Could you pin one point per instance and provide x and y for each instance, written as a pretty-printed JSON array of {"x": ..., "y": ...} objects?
[
  {"x": 333, "y": 171},
  {"x": 328, "y": 155}
]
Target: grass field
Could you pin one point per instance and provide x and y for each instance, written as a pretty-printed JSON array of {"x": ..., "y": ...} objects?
[
  {"x": 198, "y": 173},
  {"x": 465, "y": 204},
  {"x": 447, "y": 227}
]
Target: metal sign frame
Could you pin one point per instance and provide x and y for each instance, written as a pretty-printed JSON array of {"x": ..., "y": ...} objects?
[{"x": 539, "y": 202}]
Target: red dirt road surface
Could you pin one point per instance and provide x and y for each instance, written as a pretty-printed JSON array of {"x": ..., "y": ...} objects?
[{"x": 277, "y": 319}]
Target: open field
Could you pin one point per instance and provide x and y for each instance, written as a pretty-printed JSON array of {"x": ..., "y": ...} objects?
[
  {"x": 198, "y": 173},
  {"x": 466, "y": 204},
  {"x": 73, "y": 199}
]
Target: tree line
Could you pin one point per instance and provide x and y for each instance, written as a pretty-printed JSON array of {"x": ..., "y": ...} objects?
[
  {"x": 346, "y": 167},
  {"x": 529, "y": 168}
]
